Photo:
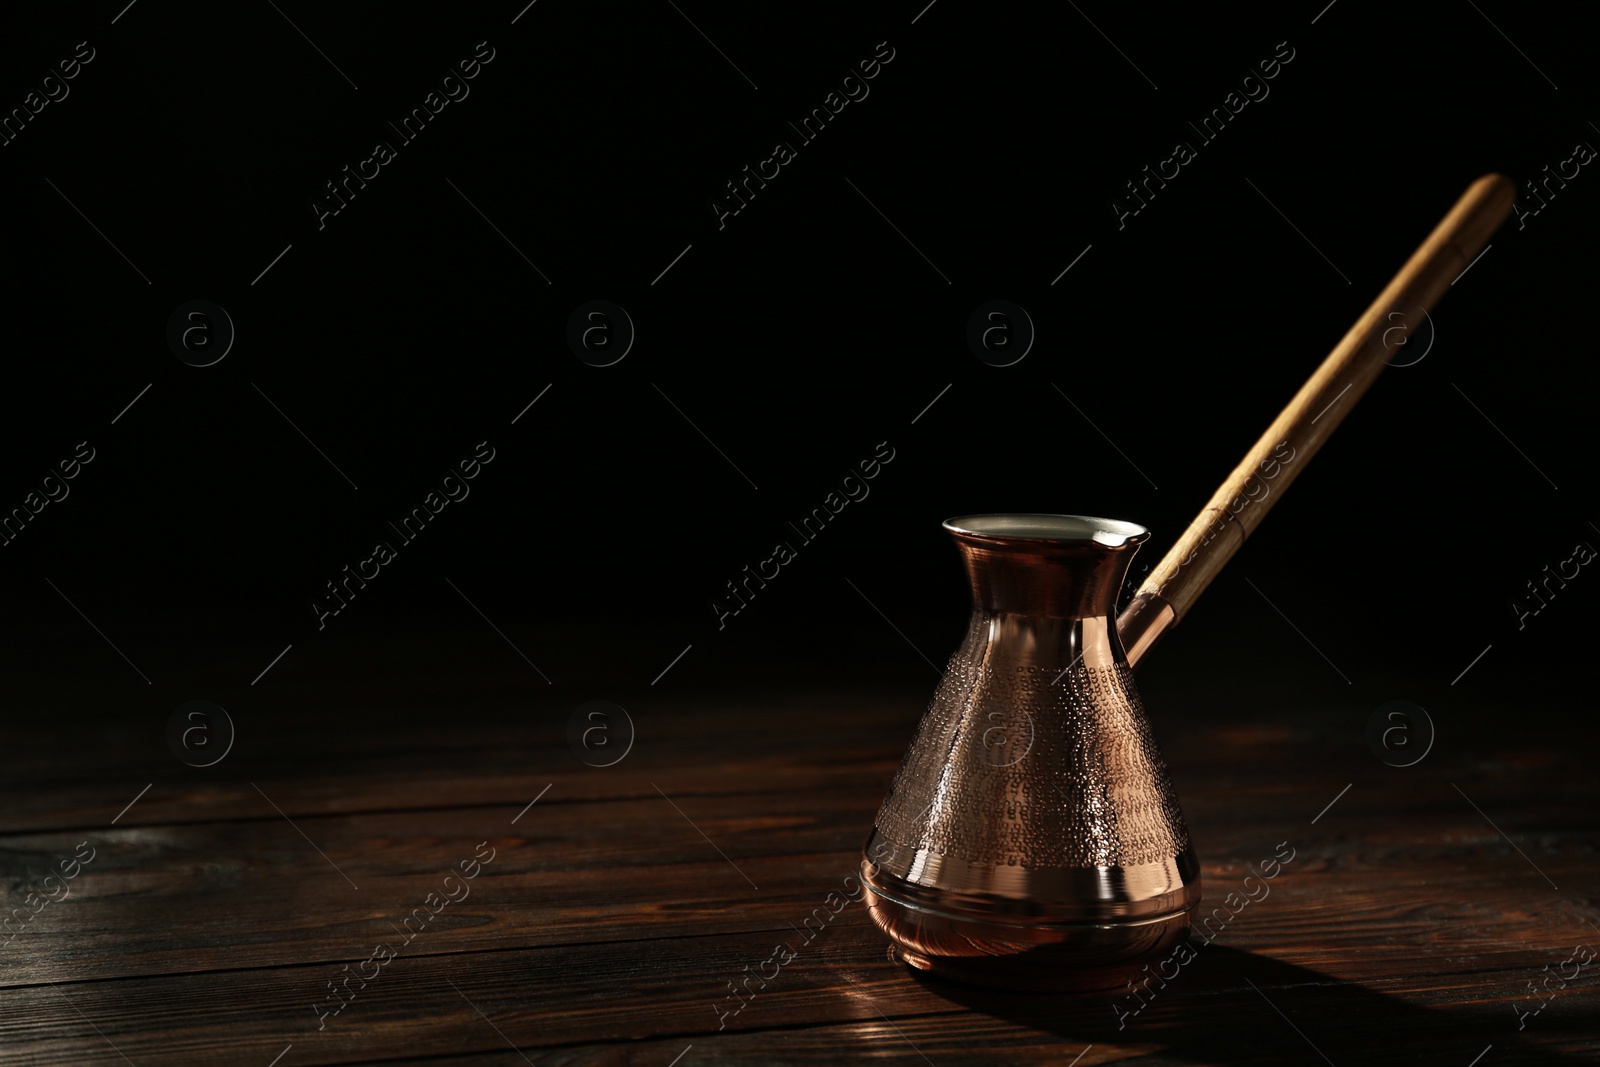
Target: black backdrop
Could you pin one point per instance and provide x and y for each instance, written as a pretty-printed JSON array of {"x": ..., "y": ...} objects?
[{"x": 775, "y": 351}]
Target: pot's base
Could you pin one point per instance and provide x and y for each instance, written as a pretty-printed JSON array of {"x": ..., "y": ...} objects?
[
  {"x": 1002, "y": 973},
  {"x": 1058, "y": 958}
]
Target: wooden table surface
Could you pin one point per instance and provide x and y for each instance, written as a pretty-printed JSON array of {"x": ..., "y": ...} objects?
[{"x": 1421, "y": 910}]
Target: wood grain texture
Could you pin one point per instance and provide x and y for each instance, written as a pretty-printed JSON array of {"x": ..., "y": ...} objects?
[{"x": 612, "y": 919}]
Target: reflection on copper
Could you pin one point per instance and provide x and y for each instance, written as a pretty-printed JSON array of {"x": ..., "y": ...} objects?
[{"x": 1031, "y": 837}]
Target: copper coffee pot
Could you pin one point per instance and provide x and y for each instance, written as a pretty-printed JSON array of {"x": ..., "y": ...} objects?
[{"x": 1031, "y": 838}]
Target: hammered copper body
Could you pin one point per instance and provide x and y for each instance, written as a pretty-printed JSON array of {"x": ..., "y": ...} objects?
[{"x": 1031, "y": 837}]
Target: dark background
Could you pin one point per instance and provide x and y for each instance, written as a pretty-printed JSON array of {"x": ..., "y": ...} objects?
[{"x": 796, "y": 338}]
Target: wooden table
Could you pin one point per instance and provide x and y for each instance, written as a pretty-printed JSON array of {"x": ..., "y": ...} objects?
[{"x": 617, "y": 909}]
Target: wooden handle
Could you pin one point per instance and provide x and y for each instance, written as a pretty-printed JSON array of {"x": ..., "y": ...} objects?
[{"x": 1323, "y": 401}]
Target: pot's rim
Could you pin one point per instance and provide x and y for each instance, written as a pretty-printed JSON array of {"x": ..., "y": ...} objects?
[{"x": 1060, "y": 529}]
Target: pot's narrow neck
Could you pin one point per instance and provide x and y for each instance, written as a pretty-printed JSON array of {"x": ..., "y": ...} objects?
[
  {"x": 1043, "y": 643},
  {"x": 1058, "y": 580}
]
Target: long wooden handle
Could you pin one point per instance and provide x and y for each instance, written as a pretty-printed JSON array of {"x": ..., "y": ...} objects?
[{"x": 1260, "y": 479}]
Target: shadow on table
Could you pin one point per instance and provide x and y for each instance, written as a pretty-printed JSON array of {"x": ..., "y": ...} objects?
[{"x": 1209, "y": 1013}]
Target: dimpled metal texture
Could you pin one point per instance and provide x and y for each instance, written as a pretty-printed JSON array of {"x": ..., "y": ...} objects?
[{"x": 1017, "y": 764}]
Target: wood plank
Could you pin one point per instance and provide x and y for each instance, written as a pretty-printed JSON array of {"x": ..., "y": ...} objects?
[
  {"x": 601, "y": 871},
  {"x": 499, "y": 755},
  {"x": 541, "y": 999}
]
